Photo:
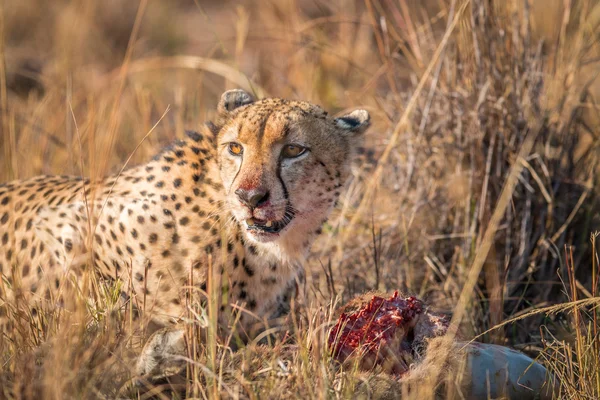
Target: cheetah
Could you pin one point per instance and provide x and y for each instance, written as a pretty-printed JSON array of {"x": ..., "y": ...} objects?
[{"x": 247, "y": 194}]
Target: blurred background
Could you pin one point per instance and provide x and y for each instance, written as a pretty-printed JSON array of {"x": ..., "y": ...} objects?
[{"x": 454, "y": 88}]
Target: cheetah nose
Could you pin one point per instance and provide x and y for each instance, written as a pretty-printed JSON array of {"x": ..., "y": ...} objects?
[{"x": 253, "y": 198}]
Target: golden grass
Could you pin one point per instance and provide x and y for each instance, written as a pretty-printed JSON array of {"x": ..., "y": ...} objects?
[{"x": 479, "y": 169}]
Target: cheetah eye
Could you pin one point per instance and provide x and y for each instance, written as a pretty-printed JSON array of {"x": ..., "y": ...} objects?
[
  {"x": 235, "y": 149},
  {"x": 292, "y": 151}
]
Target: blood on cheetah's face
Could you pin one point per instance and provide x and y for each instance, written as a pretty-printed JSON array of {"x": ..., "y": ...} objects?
[{"x": 283, "y": 163}]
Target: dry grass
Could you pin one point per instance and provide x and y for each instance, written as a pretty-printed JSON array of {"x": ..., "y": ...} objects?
[{"x": 477, "y": 188}]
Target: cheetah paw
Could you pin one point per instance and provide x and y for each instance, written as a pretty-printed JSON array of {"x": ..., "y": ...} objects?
[{"x": 163, "y": 355}]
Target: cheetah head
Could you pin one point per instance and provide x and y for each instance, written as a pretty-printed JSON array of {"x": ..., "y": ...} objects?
[{"x": 283, "y": 163}]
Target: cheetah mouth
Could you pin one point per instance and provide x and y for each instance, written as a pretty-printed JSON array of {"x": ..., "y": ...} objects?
[{"x": 268, "y": 226}]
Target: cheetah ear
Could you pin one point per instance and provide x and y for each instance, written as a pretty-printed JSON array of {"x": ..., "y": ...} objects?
[
  {"x": 232, "y": 99},
  {"x": 356, "y": 122}
]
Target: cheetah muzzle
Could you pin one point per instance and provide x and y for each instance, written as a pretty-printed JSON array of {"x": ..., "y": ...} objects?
[{"x": 272, "y": 227}]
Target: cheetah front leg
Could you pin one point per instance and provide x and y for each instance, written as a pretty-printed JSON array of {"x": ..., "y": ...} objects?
[
  {"x": 165, "y": 353},
  {"x": 127, "y": 235}
]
